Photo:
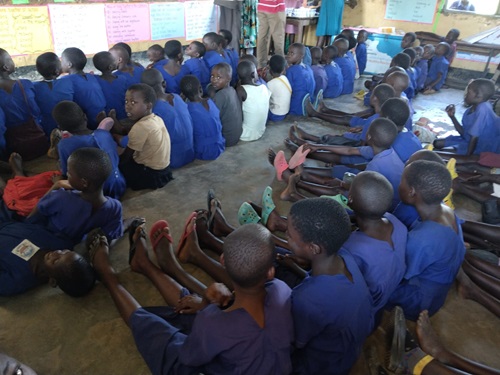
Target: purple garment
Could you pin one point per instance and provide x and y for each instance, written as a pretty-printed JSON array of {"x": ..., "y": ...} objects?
[
  {"x": 220, "y": 342},
  {"x": 198, "y": 68},
  {"x": 360, "y": 122},
  {"x": 114, "y": 92},
  {"x": 434, "y": 254},
  {"x": 209, "y": 143},
  {"x": 301, "y": 79},
  {"x": 439, "y": 64},
  {"x": 335, "y": 81},
  {"x": 332, "y": 318},
  {"x": 382, "y": 265},
  {"x": 133, "y": 78},
  {"x": 348, "y": 74},
  {"x": 406, "y": 144},
  {"x": 320, "y": 78}
]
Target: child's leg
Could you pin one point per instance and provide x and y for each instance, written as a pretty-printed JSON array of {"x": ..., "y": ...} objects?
[
  {"x": 326, "y": 157},
  {"x": 486, "y": 267},
  {"x": 334, "y": 119},
  {"x": 488, "y": 232},
  {"x": 311, "y": 187},
  {"x": 469, "y": 290},
  {"x": 302, "y": 135},
  {"x": 205, "y": 238},
  {"x": 276, "y": 222},
  {"x": 472, "y": 192},
  {"x": 16, "y": 164},
  {"x": 485, "y": 281}
]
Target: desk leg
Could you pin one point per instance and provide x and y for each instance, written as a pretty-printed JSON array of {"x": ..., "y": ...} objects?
[{"x": 300, "y": 33}]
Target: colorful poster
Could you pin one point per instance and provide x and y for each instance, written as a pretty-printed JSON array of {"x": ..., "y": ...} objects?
[
  {"x": 81, "y": 26},
  {"x": 167, "y": 20},
  {"x": 200, "y": 18},
  {"x": 25, "y": 30},
  {"x": 421, "y": 11},
  {"x": 127, "y": 22}
]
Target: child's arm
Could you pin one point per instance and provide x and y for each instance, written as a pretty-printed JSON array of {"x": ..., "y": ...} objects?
[
  {"x": 59, "y": 184},
  {"x": 339, "y": 150},
  {"x": 450, "y": 110},
  {"x": 242, "y": 94},
  {"x": 472, "y": 145},
  {"x": 126, "y": 155},
  {"x": 435, "y": 82}
]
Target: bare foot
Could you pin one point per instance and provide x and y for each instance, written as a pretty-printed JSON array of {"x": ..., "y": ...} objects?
[
  {"x": 16, "y": 164},
  {"x": 164, "y": 252},
  {"x": 140, "y": 260},
  {"x": 290, "y": 193},
  {"x": 321, "y": 106},
  {"x": 291, "y": 145},
  {"x": 271, "y": 155},
  {"x": 301, "y": 133},
  {"x": 310, "y": 110},
  {"x": 205, "y": 238},
  {"x": 465, "y": 284},
  {"x": 187, "y": 253},
  {"x": 291, "y": 134},
  {"x": 275, "y": 222},
  {"x": 427, "y": 337}
]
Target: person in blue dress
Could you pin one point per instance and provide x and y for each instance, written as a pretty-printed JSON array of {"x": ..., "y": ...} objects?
[
  {"x": 125, "y": 67},
  {"x": 301, "y": 79},
  {"x": 329, "y": 21},
  {"x": 171, "y": 70},
  {"x": 195, "y": 65},
  {"x": 361, "y": 55}
]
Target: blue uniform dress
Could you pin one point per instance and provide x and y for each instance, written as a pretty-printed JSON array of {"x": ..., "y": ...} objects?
[
  {"x": 198, "y": 68},
  {"x": 346, "y": 65},
  {"x": 320, "y": 79},
  {"x": 410, "y": 90},
  {"x": 335, "y": 81},
  {"x": 3, "y": 128},
  {"x": 209, "y": 143},
  {"x": 480, "y": 123},
  {"x": 88, "y": 95},
  {"x": 14, "y": 104},
  {"x": 212, "y": 58},
  {"x": 406, "y": 144},
  {"x": 115, "y": 185},
  {"x": 330, "y": 18},
  {"x": 133, "y": 78},
  {"x": 423, "y": 69},
  {"x": 382, "y": 265},
  {"x": 332, "y": 318},
  {"x": 66, "y": 214},
  {"x": 434, "y": 254},
  {"x": 16, "y": 275},
  {"x": 47, "y": 95},
  {"x": 301, "y": 79},
  {"x": 361, "y": 57},
  {"x": 220, "y": 342},
  {"x": 180, "y": 130},
  {"x": 114, "y": 93},
  {"x": 439, "y": 64},
  {"x": 235, "y": 59},
  {"x": 407, "y": 214}
]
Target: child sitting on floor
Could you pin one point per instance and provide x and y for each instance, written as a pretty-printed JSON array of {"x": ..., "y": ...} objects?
[
  {"x": 334, "y": 73},
  {"x": 171, "y": 70},
  {"x": 73, "y": 207},
  {"x": 212, "y": 55},
  {"x": 422, "y": 65},
  {"x": 209, "y": 143},
  {"x": 156, "y": 55},
  {"x": 195, "y": 65},
  {"x": 231, "y": 53},
  {"x": 124, "y": 65},
  {"x": 145, "y": 162},
  {"x": 260, "y": 79},
  {"x": 328, "y": 335},
  {"x": 435, "y": 248},
  {"x": 228, "y": 102},
  {"x": 478, "y": 132},
  {"x": 280, "y": 88},
  {"x": 252, "y": 336},
  {"x": 301, "y": 79},
  {"x": 70, "y": 118},
  {"x": 408, "y": 40},
  {"x": 255, "y": 102},
  {"x": 438, "y": 69},
  {"x": 113, "y": 86},
  {"x": 346, "y": 65},
  {"x": 88, "y": 93},
  {"x": 50, "y": 90},
  {"x": 361, "y": 55},
  {"x": 319, "y": 73},
  {"x": 400, "y": 81}
]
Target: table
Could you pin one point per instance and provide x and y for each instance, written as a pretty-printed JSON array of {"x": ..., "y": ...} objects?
[{"x": 301, "y": 22}]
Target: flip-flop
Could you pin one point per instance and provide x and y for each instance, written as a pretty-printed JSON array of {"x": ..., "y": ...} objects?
[
  {"x": 212, "y": 211},
  {"x": 267, "y": 204},
  {"x": 451, "y": 166},
  {"x": 247, "y": 215},
  {"x": 210, "y": 196},
  {"x": 298, "y": 158},
  {"x": 319, "y": 98},
  {"x": 159, "y": 225},
  {"x": 306, "y": 99},
  {"x": 131, "y": 232},
  {"x": 395, "y": 336},
  {"x": 186, "y": 231},
  {"x": 280, "y": 164},
  {"x": 92, "y": 242}
]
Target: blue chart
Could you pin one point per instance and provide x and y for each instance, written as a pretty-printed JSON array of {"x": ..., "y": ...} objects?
[{"x": 421, "y": 11}]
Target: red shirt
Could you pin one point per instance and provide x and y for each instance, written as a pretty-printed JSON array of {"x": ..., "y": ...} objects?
[{"x": 271, "y": 6}]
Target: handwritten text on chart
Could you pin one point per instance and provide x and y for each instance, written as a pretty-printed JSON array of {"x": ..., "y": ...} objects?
[
  {"x": 127, "y": 22},
  {"x": 421, "y": 11},
  {"x": 200, "y": 18},
  {"x": 167, "y": 20}
]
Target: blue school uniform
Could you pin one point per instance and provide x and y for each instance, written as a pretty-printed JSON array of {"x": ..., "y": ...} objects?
[
  {"x": 157, "y": 65},
  {"x": 409, "y": 122},
  {"x": 198, "y": 68},
  {"x": 320, "y": 79},
  {"x": 172, "y": 82},
  {"x": 209, "y": 143},
  {"x": 366, "y": 155},
  {"x": 233, "y": 56},
  {"x": 114, "y": 92},
  {"x": 14, "y": 105},
  {"x": 133, "y": 78},
  {"x": 439, "y": 64},
  {"x": 220, "y": 342},
  {"x": 422, "y": 68},
  {"x": 407, "y": 214},
  {"x": 88, "y": 95},
  {"x": 115, "y": 185},
  {"x": 361, "y": 57},
  {"x": 410, "y": 91},
  {"x": 434, "y": 254},
  {"x": 329, "y": 335},
  {"x": 335, "y": 81},
  {"x": 3, "y": 129},
  {"x": 480, "y": 123},
  {"x": 301, "y": 79},
  {"x": 346, "y": 66},
  {"x": 357, "y": 122},
  {"x": 47, "y": 95},
  {"x": 382, "y": 264},
  {"x": 212, "y": 58},
  {"x": 406, "y": 144}
]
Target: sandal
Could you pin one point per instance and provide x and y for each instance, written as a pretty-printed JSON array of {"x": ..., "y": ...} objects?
[
  {"x": 187, "y": 231},
  {"x": 298, "y": 158},
  {"x": 94, "y": 238},
  {"x": 136, "y": 223},
  {"x": 247, "y": 215},
  {"x": 155, "y": 238},
  {"x": 280, "y": 164},
  {"x": 267, "y": 204}
]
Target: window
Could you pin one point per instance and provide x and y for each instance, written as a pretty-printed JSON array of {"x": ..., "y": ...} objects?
[{"x": 486, "y": 7}]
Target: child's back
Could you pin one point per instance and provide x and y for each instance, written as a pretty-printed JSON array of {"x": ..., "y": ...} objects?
[
  {"x": 231, "y": 114},
  {"x": 422, "y": 67},
  {"x": 281, "y": 95},
  {"x": 47, "y": 94},
  {"x": 361, "y": 57},
  {"x": 345, "y": 64},
  {"x": 255, "y": 111},
  {"x": 114, "y": 92},
  {"x": 198, "y": 68},
  {"x": 439, "y": 65},
  {"x": 132, "y": 77},
  {"x": 335, "y": 81},
  {"x": 19, "y": 105},
  {"x": 406, "y": 144},
  {"x": 213, "y": 58},
  {"x": 301, "y": 79},
  {"x": 480, "y": 123},
  {"x": 320, "y": 78}
]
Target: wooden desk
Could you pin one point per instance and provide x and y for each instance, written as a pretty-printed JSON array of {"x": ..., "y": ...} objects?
[{"x": 301, "y": 22}]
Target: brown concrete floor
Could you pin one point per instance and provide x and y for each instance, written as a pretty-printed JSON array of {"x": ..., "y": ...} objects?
[{"x": 59, "y": 335}]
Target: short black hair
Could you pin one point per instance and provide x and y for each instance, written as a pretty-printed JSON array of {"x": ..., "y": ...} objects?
[
  {"x": 248, "y": 255},
  {"x": 277, "y": 64},
  {"x": 383, "y": 92},
  {"x": 373, "y": 194},
  {"x": 448, "y": 47},
  {"x": 402, "y": 60},
  {"x": 341, "y": 39},
  {"x": 245, "y": 69},
  {"x": 151, "y": 77},
  {"x": 69, "y": 116},
  {"x": 92, "y": 164},
  {"x": 147, "y": 92},
  {"x": 102, "y": 60},
  {"x": 213, "y": 37},
  {"x": 425, "y": 154},
  {"x": 383, "y": 132},
  {"x": 412, "y": 35},
  {"x": 299, "y": 46},
  {"x": 251, "y": 58},
  {"x": 485, "y": 86},
  {"x": 173, "y": 48},
  {"x": 401, "y": 79},
  {"x": 363, "y": 31},
  {"x": 332, "y": 51},
  {"x": 225, "y": 68},
  {"x": 410, "y": 52},
  {"x": 122, "y": 52},
  {"x": 321, "y": 221},
  {"x": 347, "y": 32},
  {"x": 157, "y": 48},
  {"x": 352, "y": 42},
  {"x": 419, "y": 49},
  {"x": 200, "y": 47},
  {"x": 190, "y": 86},
  {"x": 430, "y": 179},
  {"x": 77, "y": 279},
  {"x": 396, "y": 110},
  {"x": 227, "y": 35},
  {"x": 76, "y": 57},
  {"x": 48, "y": 64},
  {"x": 126, "y": 47},
  {"x": 455, "y": 32}
]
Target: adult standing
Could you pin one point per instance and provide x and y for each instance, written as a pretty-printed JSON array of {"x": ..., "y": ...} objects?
[
  {"x": 272, "y": 19},
  {"x": 329, "y": 21}
]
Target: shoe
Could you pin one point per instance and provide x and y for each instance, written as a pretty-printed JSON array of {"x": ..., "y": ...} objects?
[
  {"x": 306, "y": 99},
  {"x": 489, "y": 211}
]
